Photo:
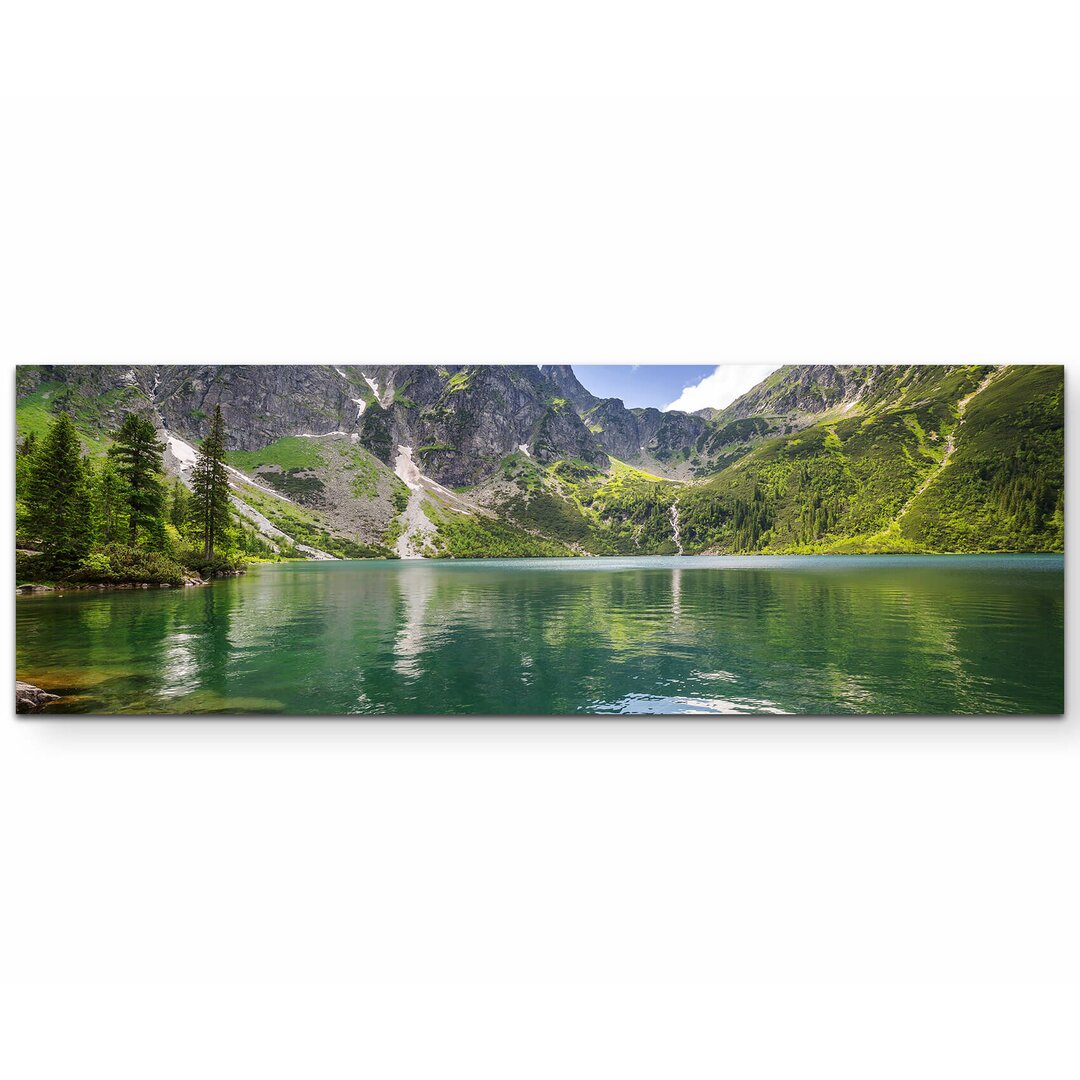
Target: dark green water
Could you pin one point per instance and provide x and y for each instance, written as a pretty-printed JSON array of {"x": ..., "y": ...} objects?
[{"x": 934, "y": 635}]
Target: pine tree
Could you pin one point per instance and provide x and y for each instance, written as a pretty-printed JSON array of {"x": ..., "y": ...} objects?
[
  {"x": 58, "y": 510},
  {"x": 23, "y": 465},
  {"x": 138, "y": 457},
  {"x": 180, "y": 507},
  {"x": 110, "y": 503},
  {"x": 210, "y": 506}
]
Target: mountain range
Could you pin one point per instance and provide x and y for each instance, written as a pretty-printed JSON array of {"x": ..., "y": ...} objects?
[{"x": 514, "y": 460}]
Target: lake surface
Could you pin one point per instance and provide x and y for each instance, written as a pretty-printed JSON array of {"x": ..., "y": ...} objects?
[{"x": 802, "y": 634}]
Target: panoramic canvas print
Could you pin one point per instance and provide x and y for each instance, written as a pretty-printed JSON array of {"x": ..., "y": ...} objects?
[{"x": 539, "y": 540}]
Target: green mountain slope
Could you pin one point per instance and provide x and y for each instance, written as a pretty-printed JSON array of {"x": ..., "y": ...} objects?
[
  {"x": 1004, "y": 486},
  {"x": 518, "y": 461},
  {"x": 946, "y": 459}
]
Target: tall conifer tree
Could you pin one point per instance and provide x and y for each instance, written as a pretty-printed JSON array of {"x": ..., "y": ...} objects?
[
  {"x": 180, "y": 507},
  {"x": 110, "y": 503},
  {"x": 210, "y": 488},
  {"x": 138, "y": 458},
  {"x": 58, "y": 510}
]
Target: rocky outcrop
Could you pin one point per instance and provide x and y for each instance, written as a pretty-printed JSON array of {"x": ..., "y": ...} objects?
[
  {"x": 462, "y": 421},
  {"x": 645, "y": 436},
  {"x": 801, "y": 393},
  {"x": 566, "y": 382},
  {"x": 259, "y": 403},
  {"x": 30, "y": 698}
]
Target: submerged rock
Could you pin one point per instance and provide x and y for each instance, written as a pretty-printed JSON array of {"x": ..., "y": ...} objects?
[{"x": 30, "y": 698}]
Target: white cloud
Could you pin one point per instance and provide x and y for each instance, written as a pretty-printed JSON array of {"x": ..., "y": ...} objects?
[{"x": 722, "y": 387}]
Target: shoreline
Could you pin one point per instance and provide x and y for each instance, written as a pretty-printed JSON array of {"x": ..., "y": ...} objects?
[
  {"x": 33, "y": 588},
  {"x": 689, "y": 555},
  {"x": 59, "y": 588}
]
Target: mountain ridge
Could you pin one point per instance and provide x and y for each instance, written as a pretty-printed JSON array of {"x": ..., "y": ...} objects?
[{"x": 465, "y": 460}]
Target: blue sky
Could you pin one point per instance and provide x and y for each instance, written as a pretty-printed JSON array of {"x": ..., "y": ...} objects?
[{"x": 682, "y": 386}]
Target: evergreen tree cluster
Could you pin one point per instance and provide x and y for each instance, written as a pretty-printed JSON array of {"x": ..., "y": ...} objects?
[
  {"x": 117, "y": 519},
  {"x": 738, "y": 524}
]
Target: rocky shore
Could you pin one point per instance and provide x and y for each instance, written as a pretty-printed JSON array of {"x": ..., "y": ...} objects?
[
  {"x": 30, "y": 698},
  {"x": 80, "y": 586}
]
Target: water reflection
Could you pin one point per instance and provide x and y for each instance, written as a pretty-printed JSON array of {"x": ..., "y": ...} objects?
[
  {"x": 416, "y": 590},
  {"x": 650, "y": 635}
]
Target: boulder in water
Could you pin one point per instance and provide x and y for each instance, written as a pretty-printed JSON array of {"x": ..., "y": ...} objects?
[{"x": 30, "y": 698}]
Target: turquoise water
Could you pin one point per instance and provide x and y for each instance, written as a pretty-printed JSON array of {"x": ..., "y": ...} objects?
[{"x": 800, "y": 634}]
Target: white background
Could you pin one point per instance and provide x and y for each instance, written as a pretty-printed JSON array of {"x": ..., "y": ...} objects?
[{"x": 562, "y": 182}]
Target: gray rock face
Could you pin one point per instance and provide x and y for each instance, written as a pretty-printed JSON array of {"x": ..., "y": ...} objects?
[
  {"x": 462, "y": 421},
  {"x": 459, "y": 420},
  {"x": 30, "y": 698},
  {"x": 616, "y": 427},
  {"x": 803, "y": 392},
  {"x": 669, "y": 435},
  {"x": 562, "y": 375},
  {"x": 259, "y": 404},
  {"x": 631, "y": 434}
]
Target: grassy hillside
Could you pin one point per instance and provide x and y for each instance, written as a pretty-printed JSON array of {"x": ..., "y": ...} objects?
[
  {"x": 292, "y": 452},
  {"x": 1003, "y": 489},
  {"x": 845, "y": 483},
  {"x": 620, "y": 511},
  {"x": 92, "y": 414}
]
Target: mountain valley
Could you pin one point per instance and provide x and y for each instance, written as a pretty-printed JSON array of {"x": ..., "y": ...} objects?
[{"x": 506, "y": 460}]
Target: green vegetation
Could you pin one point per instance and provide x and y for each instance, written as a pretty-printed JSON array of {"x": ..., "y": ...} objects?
[
  {"x": 286, "y": 465},
  {"x": 291, "y": 452},
  {"x": 123, "y": 564},
  {"x": 138, "y": 471},
  {"x": 376, "y": 434},
  {"x": 393, "y": 533},
  {"x": 845, "y": 485},
  {"x": 365, "y": 474},
  {"x": 635, "y": 508},
  {"x": 523, "y": 471},
  {"x": 306, "y": 527},
  {"x": 623, "y": 512},
  {"x": 460, "y": 380},
  {"x": 210, "y": 506},
  {"x": 400, "y": 496},
  {"x": 58, "y": 499},
  {"x": 851, "y": 459},
  {"x": 35, "y": 412},
  {"x": 112, "y": 522},
  {"x": 460, "y": 536},
  {"x": 1003, "y": 488},
  {"x": 299, "y": 484}
]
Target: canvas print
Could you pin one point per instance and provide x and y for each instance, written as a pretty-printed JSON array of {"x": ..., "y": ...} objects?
[{"x": 552, "y": 540}]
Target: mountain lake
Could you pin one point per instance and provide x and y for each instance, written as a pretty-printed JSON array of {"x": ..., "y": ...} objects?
[{"x": 811, "y": 635}]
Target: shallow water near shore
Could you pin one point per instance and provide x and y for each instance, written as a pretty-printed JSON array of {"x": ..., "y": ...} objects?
[{"x": 757, "y": 634}]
